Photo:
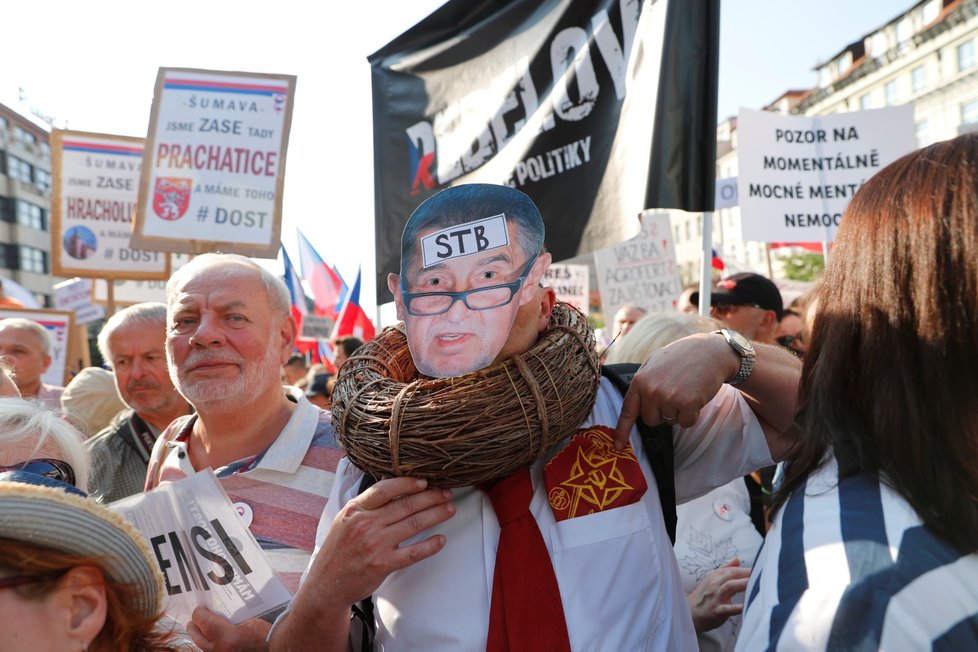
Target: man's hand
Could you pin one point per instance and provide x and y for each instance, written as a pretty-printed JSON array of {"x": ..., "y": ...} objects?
[
  {"x": 676, "y": 382},
  {"x": 710, "y": 602},
  {"x": 362, "y": 548},
  {"x": 213, "y": 633}
]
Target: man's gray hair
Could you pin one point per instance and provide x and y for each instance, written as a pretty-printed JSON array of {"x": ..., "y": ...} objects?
[
  {"x": 28, "y": 325},
  {"x": 151, "y": 313},
  {"x": 278, "y": 293}
]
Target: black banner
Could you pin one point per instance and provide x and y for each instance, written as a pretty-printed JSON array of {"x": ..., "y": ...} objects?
[{"x": 597, "y": 109}]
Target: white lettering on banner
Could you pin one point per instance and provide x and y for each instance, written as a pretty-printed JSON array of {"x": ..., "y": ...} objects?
[
  {"x": 466, "y": 134},
  {"x": 464, "y": 240}
]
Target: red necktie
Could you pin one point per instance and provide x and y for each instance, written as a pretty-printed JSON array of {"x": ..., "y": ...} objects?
[{"x": 526, "y": 612}]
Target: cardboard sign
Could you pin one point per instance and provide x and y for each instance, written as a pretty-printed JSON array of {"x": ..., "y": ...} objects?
[
  {"x": 316, "y": 327},
  {"x": 726, "y": 193},
  {"x": 204, "y": 550},
  {"x": 127, "y": 293},
  {"x": 95, "y": 178},
  {"x": 642, "y": 270},
  {"x": 571, "y": 284},
  {"x": 214, "y": 165},
  {"x": 60, "y": 325},
  {"x": 797, "y": 174},
  {"x": 76, "y": 295}
]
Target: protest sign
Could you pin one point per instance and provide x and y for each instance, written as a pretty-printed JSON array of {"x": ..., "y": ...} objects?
[
  {"x": 571, "y": 283},
  {"x": 206, "y": 554},
  {"x": 797, "y": 174},
  {"x": 214, "y": 165},
  {"x": 641, "y": 270},
  {"x": 126, "y": 293},
  {"x": 60, "y": 325},
  {"x": 76, "y": 295},
  {"x": 316, "y": 327},
  {"x": 95, "y": 178},
  {"x": 726, "y": 193}
]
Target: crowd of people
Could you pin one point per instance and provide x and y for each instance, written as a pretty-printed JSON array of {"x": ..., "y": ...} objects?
[{"x": 820, "y": 487}]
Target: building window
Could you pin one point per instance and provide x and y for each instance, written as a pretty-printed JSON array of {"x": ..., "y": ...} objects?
[
  {"x": 33, "y": 260},
  {"x": 42, "y": 179},
  {"x": 24, "y": 136},
  {"x": 699, "y": 226},
  {"x": 866, "y": 102},
  {"x": 45, "y": 150},
  {"x": 4, "y": 125},
  {"x": 918, "y": 78},
  {"x": 921, "y": 129},
  {"x": 676, "y": 229},
  {"x": 30, "y": 215},
  {"x": 966, "y": 56},
  {"x": 689, "y": 235},
  {"x": 18, "y": 169},
  {"x": 969, "y": 112},
  {"x": 892, "y": 92}
]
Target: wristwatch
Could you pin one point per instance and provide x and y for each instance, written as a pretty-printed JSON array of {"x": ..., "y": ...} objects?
[{"x": 742, "y": 346}]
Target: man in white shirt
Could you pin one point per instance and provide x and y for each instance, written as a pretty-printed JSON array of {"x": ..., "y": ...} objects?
[{"x": 428, "y": 555}]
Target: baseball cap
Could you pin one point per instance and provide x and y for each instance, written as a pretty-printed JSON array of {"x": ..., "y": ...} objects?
[{"x": 743, "y": 289}]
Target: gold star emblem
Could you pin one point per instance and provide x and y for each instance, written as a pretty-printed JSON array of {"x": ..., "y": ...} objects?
[{"x": 594, "y": 479}]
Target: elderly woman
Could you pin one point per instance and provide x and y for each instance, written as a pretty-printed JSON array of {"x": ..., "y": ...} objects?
[
  {"x": 875, "y": 541},
  {"x": 73, "y": 575},
  {"x": 35, "y": 439}
]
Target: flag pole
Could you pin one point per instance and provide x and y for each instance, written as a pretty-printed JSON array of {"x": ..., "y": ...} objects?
[{"x": 706, "y": 277}]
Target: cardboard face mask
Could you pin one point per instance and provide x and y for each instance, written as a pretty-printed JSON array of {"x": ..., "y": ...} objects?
[{"x": 468, "y": 262}]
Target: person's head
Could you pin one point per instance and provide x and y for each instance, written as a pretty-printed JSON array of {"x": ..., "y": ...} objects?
[
  {"x": 684, "y": 303},
  {"x": 747, "y": 303},
  {"x": 470, "y": 258},
  {"x": 789, "y": 332},
  {"x": 7, "y": 385},
  {"x": 26, "y": 345},
  {"x": 295, "y": 370},
  {"x": 891, "y": 372},
  {"x": 655, "y": 331},
  {"x": 133, "y": 343},
  {"x": 318, "y": 390},
  {"x": 626, "y": 317},
  {"x": 74, "y": 575},
  {"x": 35, "y": 438},
  {"x": 229, "y": 331},
  {"x": 344, "y": 347},
  {"x": 90, "y": 400}
]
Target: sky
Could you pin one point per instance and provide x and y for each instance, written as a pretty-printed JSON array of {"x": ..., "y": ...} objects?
[{"x": 92, "y": 66}]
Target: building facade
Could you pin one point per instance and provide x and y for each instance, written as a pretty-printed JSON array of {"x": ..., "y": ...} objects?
[{"x": 25, "y": 192}]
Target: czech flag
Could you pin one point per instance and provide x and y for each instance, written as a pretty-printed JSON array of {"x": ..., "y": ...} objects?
[
  {"x": 717, "y": 262},
  {"x": 353, "y": 320},
  {"x": 296, "y": 295},
  {"x": 328, "y": 288}
]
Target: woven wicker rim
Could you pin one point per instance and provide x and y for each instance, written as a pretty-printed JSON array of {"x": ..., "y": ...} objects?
[{"x": 465, "y": 430}]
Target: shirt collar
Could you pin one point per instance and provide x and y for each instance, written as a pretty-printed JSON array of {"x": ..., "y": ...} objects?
[{"x": 286, "y": 453}]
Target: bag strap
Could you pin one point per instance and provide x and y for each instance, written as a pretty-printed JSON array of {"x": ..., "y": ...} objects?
[{"x": 657, "y": 442}]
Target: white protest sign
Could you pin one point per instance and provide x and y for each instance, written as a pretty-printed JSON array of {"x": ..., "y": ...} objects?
[
  {"x": 59, "y": 324},
  {"x": 571, "y": 283},
  {"x": 641, "y": 270},
  {"x": 726, "y": 193},
  {"x": 797, "y": 174},
  {"x": 76, "y": 295},
  {"x": 127, "y": 293},
  {"x": 316, "y": 327},
  {"x": 464, "y": 240},
  {"x": 214, "y": 165},
  {"x": 205, "y": 552},
  {"x": 95, "y": 178}
]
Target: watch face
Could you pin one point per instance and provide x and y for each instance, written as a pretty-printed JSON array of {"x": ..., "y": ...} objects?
[{"x": 738, "y": 340}]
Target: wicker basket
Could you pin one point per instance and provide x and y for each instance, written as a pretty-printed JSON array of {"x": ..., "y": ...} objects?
[{"x": 467, "y": 429}]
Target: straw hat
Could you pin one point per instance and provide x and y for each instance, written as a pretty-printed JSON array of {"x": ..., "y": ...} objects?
[{"x": 46, "y": 512}]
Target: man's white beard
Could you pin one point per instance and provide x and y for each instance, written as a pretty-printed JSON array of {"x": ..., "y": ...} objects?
[{"x": 241, "y": 392}]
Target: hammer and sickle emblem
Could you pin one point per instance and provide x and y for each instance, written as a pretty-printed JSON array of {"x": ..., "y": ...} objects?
[{"x": 597, "y": 478}]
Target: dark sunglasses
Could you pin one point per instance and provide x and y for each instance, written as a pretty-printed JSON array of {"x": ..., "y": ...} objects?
[{"x": 54, "y": 469}]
